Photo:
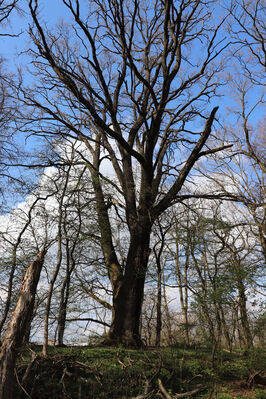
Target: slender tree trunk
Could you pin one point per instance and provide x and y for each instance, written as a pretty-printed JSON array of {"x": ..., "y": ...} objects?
[
  {"x": 183, "y": 295},
  {"x": 17, "y": 327},
  {"x": 70, "y": 264},
  {"x": 50, "y": 293},
  {"x": 228, "y": 338},
  {"x": 167, "y": 313},
  {"x": 185, "y": 311},
  {"x": 242, "y": 301},
  {"x": 58, "y": 265},
  {"x": 244, "y": 317},
  {"x": 158, "y": 256},
  {"x": 159, "y": 306},
  {"x": 63, "y": 309}
]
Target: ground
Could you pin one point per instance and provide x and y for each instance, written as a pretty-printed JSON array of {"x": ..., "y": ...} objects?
[{"x": 117, "y": 373}]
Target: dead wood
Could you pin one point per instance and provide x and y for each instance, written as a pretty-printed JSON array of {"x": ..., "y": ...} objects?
[
  {"x": 17, "y": 327},
  {"x": 146, "y": 394},
  {"x": 256, "y": 378},
  {"x": 179, "y": 395}
]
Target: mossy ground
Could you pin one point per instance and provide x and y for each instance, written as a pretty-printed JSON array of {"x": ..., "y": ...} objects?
[{"x": 117, "y": 373}]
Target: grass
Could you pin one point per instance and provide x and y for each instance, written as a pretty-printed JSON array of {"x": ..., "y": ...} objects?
[{"x": 99, "y": 372}]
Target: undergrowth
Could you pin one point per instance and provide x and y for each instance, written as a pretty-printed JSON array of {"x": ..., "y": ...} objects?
[{"x": 100, "y": 372}]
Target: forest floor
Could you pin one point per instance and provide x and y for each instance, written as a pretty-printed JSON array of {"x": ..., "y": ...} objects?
[{"x": 99, "y": 372}]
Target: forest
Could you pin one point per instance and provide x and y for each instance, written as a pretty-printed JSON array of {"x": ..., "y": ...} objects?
[{"x": 132, "y": 196}]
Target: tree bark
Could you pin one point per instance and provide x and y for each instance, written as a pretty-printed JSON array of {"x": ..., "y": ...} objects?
[
  {"x": 127, "y": 302},
  {"x": 17, "y": 327}
]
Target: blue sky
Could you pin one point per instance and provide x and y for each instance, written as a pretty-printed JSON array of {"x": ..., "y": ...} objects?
[{"x": 52, "y": 12}]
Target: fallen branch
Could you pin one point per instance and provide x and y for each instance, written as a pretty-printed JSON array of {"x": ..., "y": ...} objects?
[
  {"x": 29, "y": 367},
  {"x": 190, "y": 393},
  {"x": 179, "y": 395},
  {"x": 19, "y": 384},
  {"x": 163, "y": 390},
  {"x": 146, "y": 394},
  {"x": 124, "y": 365},
  {"x": 257, "y": 379}
]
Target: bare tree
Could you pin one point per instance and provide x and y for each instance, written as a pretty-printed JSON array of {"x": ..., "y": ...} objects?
[
  {"x": 129, "y": 84},
  {"x": 245, "y": 172},
  {"x": 247, "y": 28}
]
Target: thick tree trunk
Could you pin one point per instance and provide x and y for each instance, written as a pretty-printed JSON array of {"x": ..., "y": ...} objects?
[
  {"x": 127, "y": 302},
  {"x": 18, "y": 325}
]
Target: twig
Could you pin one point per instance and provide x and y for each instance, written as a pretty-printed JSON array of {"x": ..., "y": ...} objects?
[
  {"x": 62, "y": 381},
  {"x": 33, "y": 359},
  {"x": 19, "y": 384}
]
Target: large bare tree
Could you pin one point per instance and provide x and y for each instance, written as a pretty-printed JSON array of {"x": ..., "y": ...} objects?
[{"x": 133, "y": 82}]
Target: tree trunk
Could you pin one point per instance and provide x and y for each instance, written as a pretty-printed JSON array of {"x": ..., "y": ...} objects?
[
  {"x": 127, "y": 301},
  {"x": 244, "y": 316},
  {"x": 63, "y": 310},
  {"x": 160, "y": 268},
  {"x": 9, "y": 291},
  {"x": 228, "y": 337},
  {"x": 242, "y": 302},
  {"x": 64, "y": 295},
  {"x": 17, "y": 327},
  {"x": 167, "y": 314},
  {"x": 183, "y": 295},
  {"x": 159, "y": 305}
]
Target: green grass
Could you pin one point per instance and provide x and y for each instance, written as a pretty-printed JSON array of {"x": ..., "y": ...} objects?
[{"x": 95, "y": 373}]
